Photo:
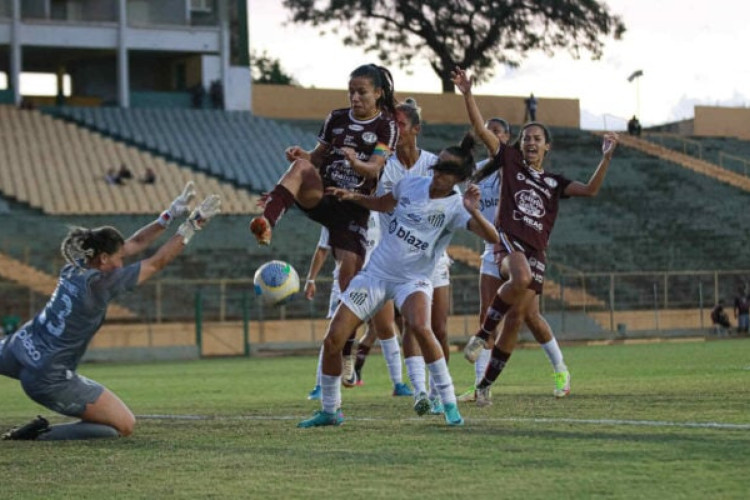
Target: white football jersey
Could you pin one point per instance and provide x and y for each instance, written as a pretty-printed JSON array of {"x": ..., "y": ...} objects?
[
  {"x": 417, "y": 233},
  {"x": 489, "y": 197}
]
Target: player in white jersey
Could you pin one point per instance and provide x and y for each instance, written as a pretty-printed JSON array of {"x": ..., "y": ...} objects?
[
  {"x": 424, "y": 214},
  {"x": 411, "y": 161},
  {"x": 375, "y": 326}
]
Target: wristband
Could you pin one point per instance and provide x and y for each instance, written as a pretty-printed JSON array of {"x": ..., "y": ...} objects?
[
  {"x": 310, "y": 281},
  {"x": 165, "y": 219}
]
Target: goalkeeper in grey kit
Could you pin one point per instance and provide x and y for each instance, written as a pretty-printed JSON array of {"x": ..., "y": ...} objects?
[{"x": 44, "y": 353}]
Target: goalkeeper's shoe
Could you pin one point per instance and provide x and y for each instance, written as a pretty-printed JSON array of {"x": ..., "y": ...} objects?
[
  {"x": 562, "y": 384},
  {"x": 422, "y": 404},
  {"x": 474, "y": 348},
  {"x": 401, "y": 389},
  {"x": 28, "y": 432},
  {"x": 322, "y": 418},
  {"x": 436, "y": 406},
  {"x": 314, "y": 394},
  {"x": 469, "y": 396},
  {"x": 348, "y": 375},
  {"x": 452, "y": 416},
  {"x": 261, "y": 229}
]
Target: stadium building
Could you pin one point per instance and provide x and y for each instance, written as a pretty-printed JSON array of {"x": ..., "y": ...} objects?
[{"x": 128, "y": 53}]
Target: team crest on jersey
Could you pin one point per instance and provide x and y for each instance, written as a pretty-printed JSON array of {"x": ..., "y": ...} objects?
[
  {"x": 530, "y": 203},
  {"x": 436, "y": 220},
  {"x": 358, "y": 297},
  {"x": 520, "y": 176},
  {"x": 355, "y": 127},
  {"x": 550, "y": 182},
  {"x": 369, "y": 137}
]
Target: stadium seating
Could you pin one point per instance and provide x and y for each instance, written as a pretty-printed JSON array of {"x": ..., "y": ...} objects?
[
  {"x": 59, "y": 168},
  {"x": 234, "y": 146}
]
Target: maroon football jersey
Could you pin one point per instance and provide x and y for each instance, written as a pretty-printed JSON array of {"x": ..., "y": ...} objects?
[
  {"x": 341, "y": 129},
  {"x": 528, "y": 199}
]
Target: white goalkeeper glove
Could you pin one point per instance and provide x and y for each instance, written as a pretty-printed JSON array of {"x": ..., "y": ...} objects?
[
  {"x": 199, "y": 217},
  {"x": 179, "y": 207}
]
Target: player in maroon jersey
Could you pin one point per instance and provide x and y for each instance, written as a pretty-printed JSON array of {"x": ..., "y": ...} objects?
[
  {"x": 529, "y": 201},
  {"x": 353, "y": 145}
]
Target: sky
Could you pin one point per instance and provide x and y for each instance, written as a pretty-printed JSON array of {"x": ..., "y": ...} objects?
[{"x": 690, "y": 51}]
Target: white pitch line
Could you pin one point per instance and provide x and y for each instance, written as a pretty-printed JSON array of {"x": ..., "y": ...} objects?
[{"x": 585, "y": 421}]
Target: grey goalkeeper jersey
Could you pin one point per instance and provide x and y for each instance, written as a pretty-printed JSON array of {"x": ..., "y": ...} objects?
[{"x": 58, "y": 336}]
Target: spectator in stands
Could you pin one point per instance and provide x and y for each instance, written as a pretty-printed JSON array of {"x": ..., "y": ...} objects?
[
  {"x": 149, "y": 177},
  {"x": 112, "y": 177},
  {"x": 527, "y": 209},
  {"x": 216, "y": 93},
  {"x": 720, "y": 319},
  {"x": 742, "y": 309},
  {"x": 531, "y": 106},
  {"x": 124, "y": 174},
  {"x": 634, "y": 126},
  {"x": 44, "y": 353},
  {"x": 197, "y": 95}
]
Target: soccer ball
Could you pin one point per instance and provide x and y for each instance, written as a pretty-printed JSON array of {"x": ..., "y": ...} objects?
[{"x": 276, "y": 282}]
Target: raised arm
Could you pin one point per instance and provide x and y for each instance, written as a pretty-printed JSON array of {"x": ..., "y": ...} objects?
[
  {"x": 146, "y": 235},
  {"x": 463, "y": 83},
  {"x": 385, "y": 203},
  {"x": 591, "y": 188},
  {"x": 173, "y": 247},
  {"x": 478, "y": 224}
]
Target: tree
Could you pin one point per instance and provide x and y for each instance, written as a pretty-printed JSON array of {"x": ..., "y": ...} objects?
[
  {"x": 267, "y": 70},
  {"x": 472, "y": 34}
]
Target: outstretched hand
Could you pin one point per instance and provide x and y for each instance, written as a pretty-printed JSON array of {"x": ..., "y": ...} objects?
[
  {"x": 204, "y": 212},
  {"x": 461, "y": 80},
  {"x": 181, "y": 205},
  {"x": 309, "y": 289},
  {"x": 609, "y": 143},
  {"x": 471, "y": 197}
]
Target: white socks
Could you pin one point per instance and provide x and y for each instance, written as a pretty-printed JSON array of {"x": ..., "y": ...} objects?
[
  {"x": 330, "y": 392},
  {"x": 415, "y": 370},
  {"x": 554, "y": 354},
  {"x": 319, "y": 371},
  {"x": 480, "y": 366},
  {"x": 442, "y": 381},
  {"x": 392, "y": 354}
]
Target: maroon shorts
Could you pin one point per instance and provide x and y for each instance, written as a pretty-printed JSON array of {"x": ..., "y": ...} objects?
[
  {"x": 537, "y": 259},
  {"x": 346, "y": 223}
]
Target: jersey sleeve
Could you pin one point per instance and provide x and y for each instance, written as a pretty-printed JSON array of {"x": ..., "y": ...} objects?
[
  {"x": 110, "y": 285},
  {"x": 387, "y": 138},
  {"x": 324, "y": 135},
  {"x": 324, "y": 237}
]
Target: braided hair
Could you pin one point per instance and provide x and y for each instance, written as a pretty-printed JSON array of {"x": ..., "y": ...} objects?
[
  {"x": 82, "y": 245},
  {"x": 382, "y": 79}
]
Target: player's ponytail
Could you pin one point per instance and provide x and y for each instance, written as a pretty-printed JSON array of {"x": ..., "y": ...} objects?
[{"x": 82, "y": 245}]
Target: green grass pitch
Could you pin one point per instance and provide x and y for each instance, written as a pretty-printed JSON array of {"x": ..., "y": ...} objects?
[{"x": 662, "y": 420}]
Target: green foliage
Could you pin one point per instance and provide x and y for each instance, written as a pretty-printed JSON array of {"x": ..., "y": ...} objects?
[
  {"x": 266, "y": 70},
  {"x": 474, "y": 34},
  {"x": 625, "y": 432}
]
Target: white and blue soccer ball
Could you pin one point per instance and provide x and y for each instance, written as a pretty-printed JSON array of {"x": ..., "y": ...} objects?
[{"x": 276, "y": 282}]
